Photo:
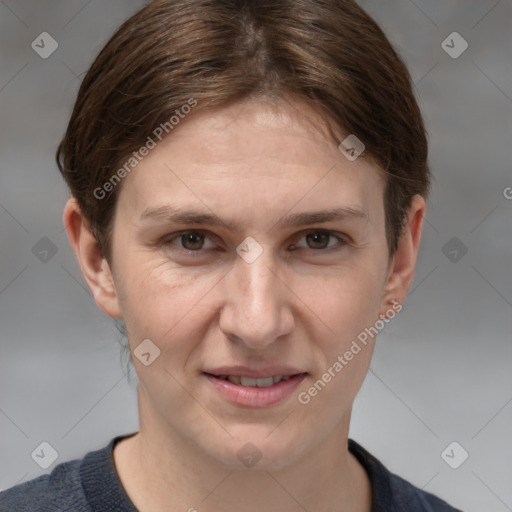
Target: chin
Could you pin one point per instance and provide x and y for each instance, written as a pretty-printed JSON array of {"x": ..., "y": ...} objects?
[{"x": 258, "y": 452}]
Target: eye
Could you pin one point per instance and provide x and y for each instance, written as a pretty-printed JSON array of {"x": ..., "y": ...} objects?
[
  {"x": 318, "y": 240},
  {"x": 191, "y": 241}
]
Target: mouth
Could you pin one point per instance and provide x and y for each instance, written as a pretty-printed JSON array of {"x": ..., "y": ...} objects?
[
  {"x": 264, "y": 382},
  {"x": 252, "y": 392}
]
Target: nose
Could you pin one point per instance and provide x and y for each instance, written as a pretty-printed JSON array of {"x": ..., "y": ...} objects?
[{"x": 257, "y": 308}]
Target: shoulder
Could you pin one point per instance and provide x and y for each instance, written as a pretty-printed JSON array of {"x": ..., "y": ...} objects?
[
  {"x": 78, "y": 485},
  {"x": 392, "y": 492},
  {"x": 58, "y": 491},
  {"x": 89, "y": 484},
  {"x": 412, "y": 498}
]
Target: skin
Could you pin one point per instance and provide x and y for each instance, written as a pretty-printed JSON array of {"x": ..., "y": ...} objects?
[{"x": 301, "y": 302}]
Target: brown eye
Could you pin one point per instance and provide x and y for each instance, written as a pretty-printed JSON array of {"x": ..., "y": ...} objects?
[
  {"x": 192, "y": 240},
  {"x": 319, "y": 240},
  {"x": 188, "y": 241}
]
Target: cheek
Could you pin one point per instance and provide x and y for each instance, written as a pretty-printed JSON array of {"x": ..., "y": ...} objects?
[
  {"x": 346, "y": 301},
  {"x": 348, "y": 309},
  {"x": 347, "y": 306},
  {"x": 167, "y": 307},
  {"x": 157, "y": 299}
]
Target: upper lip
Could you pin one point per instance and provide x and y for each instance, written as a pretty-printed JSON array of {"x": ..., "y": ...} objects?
[{"x": 253, "y": 373}]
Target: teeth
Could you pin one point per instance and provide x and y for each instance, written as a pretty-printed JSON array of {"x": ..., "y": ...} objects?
[
  {"x": 233, "y": 379},
  {"x": 260, "y": 383}
]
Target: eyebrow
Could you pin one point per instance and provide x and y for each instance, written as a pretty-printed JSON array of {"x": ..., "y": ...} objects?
[{"x": 168, "y": 214}]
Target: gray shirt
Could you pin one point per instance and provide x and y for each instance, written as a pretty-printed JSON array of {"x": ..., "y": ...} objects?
[{"x": 91, "y": 484}]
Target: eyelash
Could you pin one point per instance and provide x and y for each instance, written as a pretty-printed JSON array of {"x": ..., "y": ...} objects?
[{"x": 168, "y": 241}]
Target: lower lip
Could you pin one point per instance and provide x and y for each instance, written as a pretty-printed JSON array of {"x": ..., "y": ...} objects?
[{"x": 252, "y": 396}]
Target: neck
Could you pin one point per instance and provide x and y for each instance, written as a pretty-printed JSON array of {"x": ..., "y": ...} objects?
[{"x": 162, "y": 470}]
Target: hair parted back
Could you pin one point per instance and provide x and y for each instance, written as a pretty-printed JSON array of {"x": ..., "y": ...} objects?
[{"x": 329, "y": 53}]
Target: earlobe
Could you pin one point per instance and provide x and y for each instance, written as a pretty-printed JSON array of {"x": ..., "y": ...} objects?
[
  {"x": 402, "y": 267},
  {"x": 94, "y": 266}
]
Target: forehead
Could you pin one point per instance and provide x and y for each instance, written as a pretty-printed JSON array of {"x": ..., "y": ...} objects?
[{"x": 251, "y": 154}]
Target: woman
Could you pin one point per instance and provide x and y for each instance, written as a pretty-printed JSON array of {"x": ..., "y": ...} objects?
[{"x": 248, "y": 186}]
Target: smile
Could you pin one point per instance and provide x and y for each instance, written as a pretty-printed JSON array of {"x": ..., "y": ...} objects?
[
  {"x": 254, "y": 393},
  {"x": 250, "y": 382}
]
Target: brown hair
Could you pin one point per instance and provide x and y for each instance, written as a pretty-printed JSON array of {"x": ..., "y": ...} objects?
[{"x": 216, "y": 52}]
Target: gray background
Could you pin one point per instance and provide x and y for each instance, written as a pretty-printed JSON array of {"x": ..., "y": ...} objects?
[{"x": 442, "y": 369}]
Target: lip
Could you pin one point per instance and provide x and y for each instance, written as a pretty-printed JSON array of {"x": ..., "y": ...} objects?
[
  {"x": 255, "y": 373},
  {"x": 252, "y": 396}
]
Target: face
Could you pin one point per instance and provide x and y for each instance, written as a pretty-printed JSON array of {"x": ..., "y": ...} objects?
[{"x": 251, "y": 280}]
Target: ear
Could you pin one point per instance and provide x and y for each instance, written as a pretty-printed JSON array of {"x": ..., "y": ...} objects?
[
  {"x": 401, "y": 271},
  {"x": 93, "y": 264}
]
